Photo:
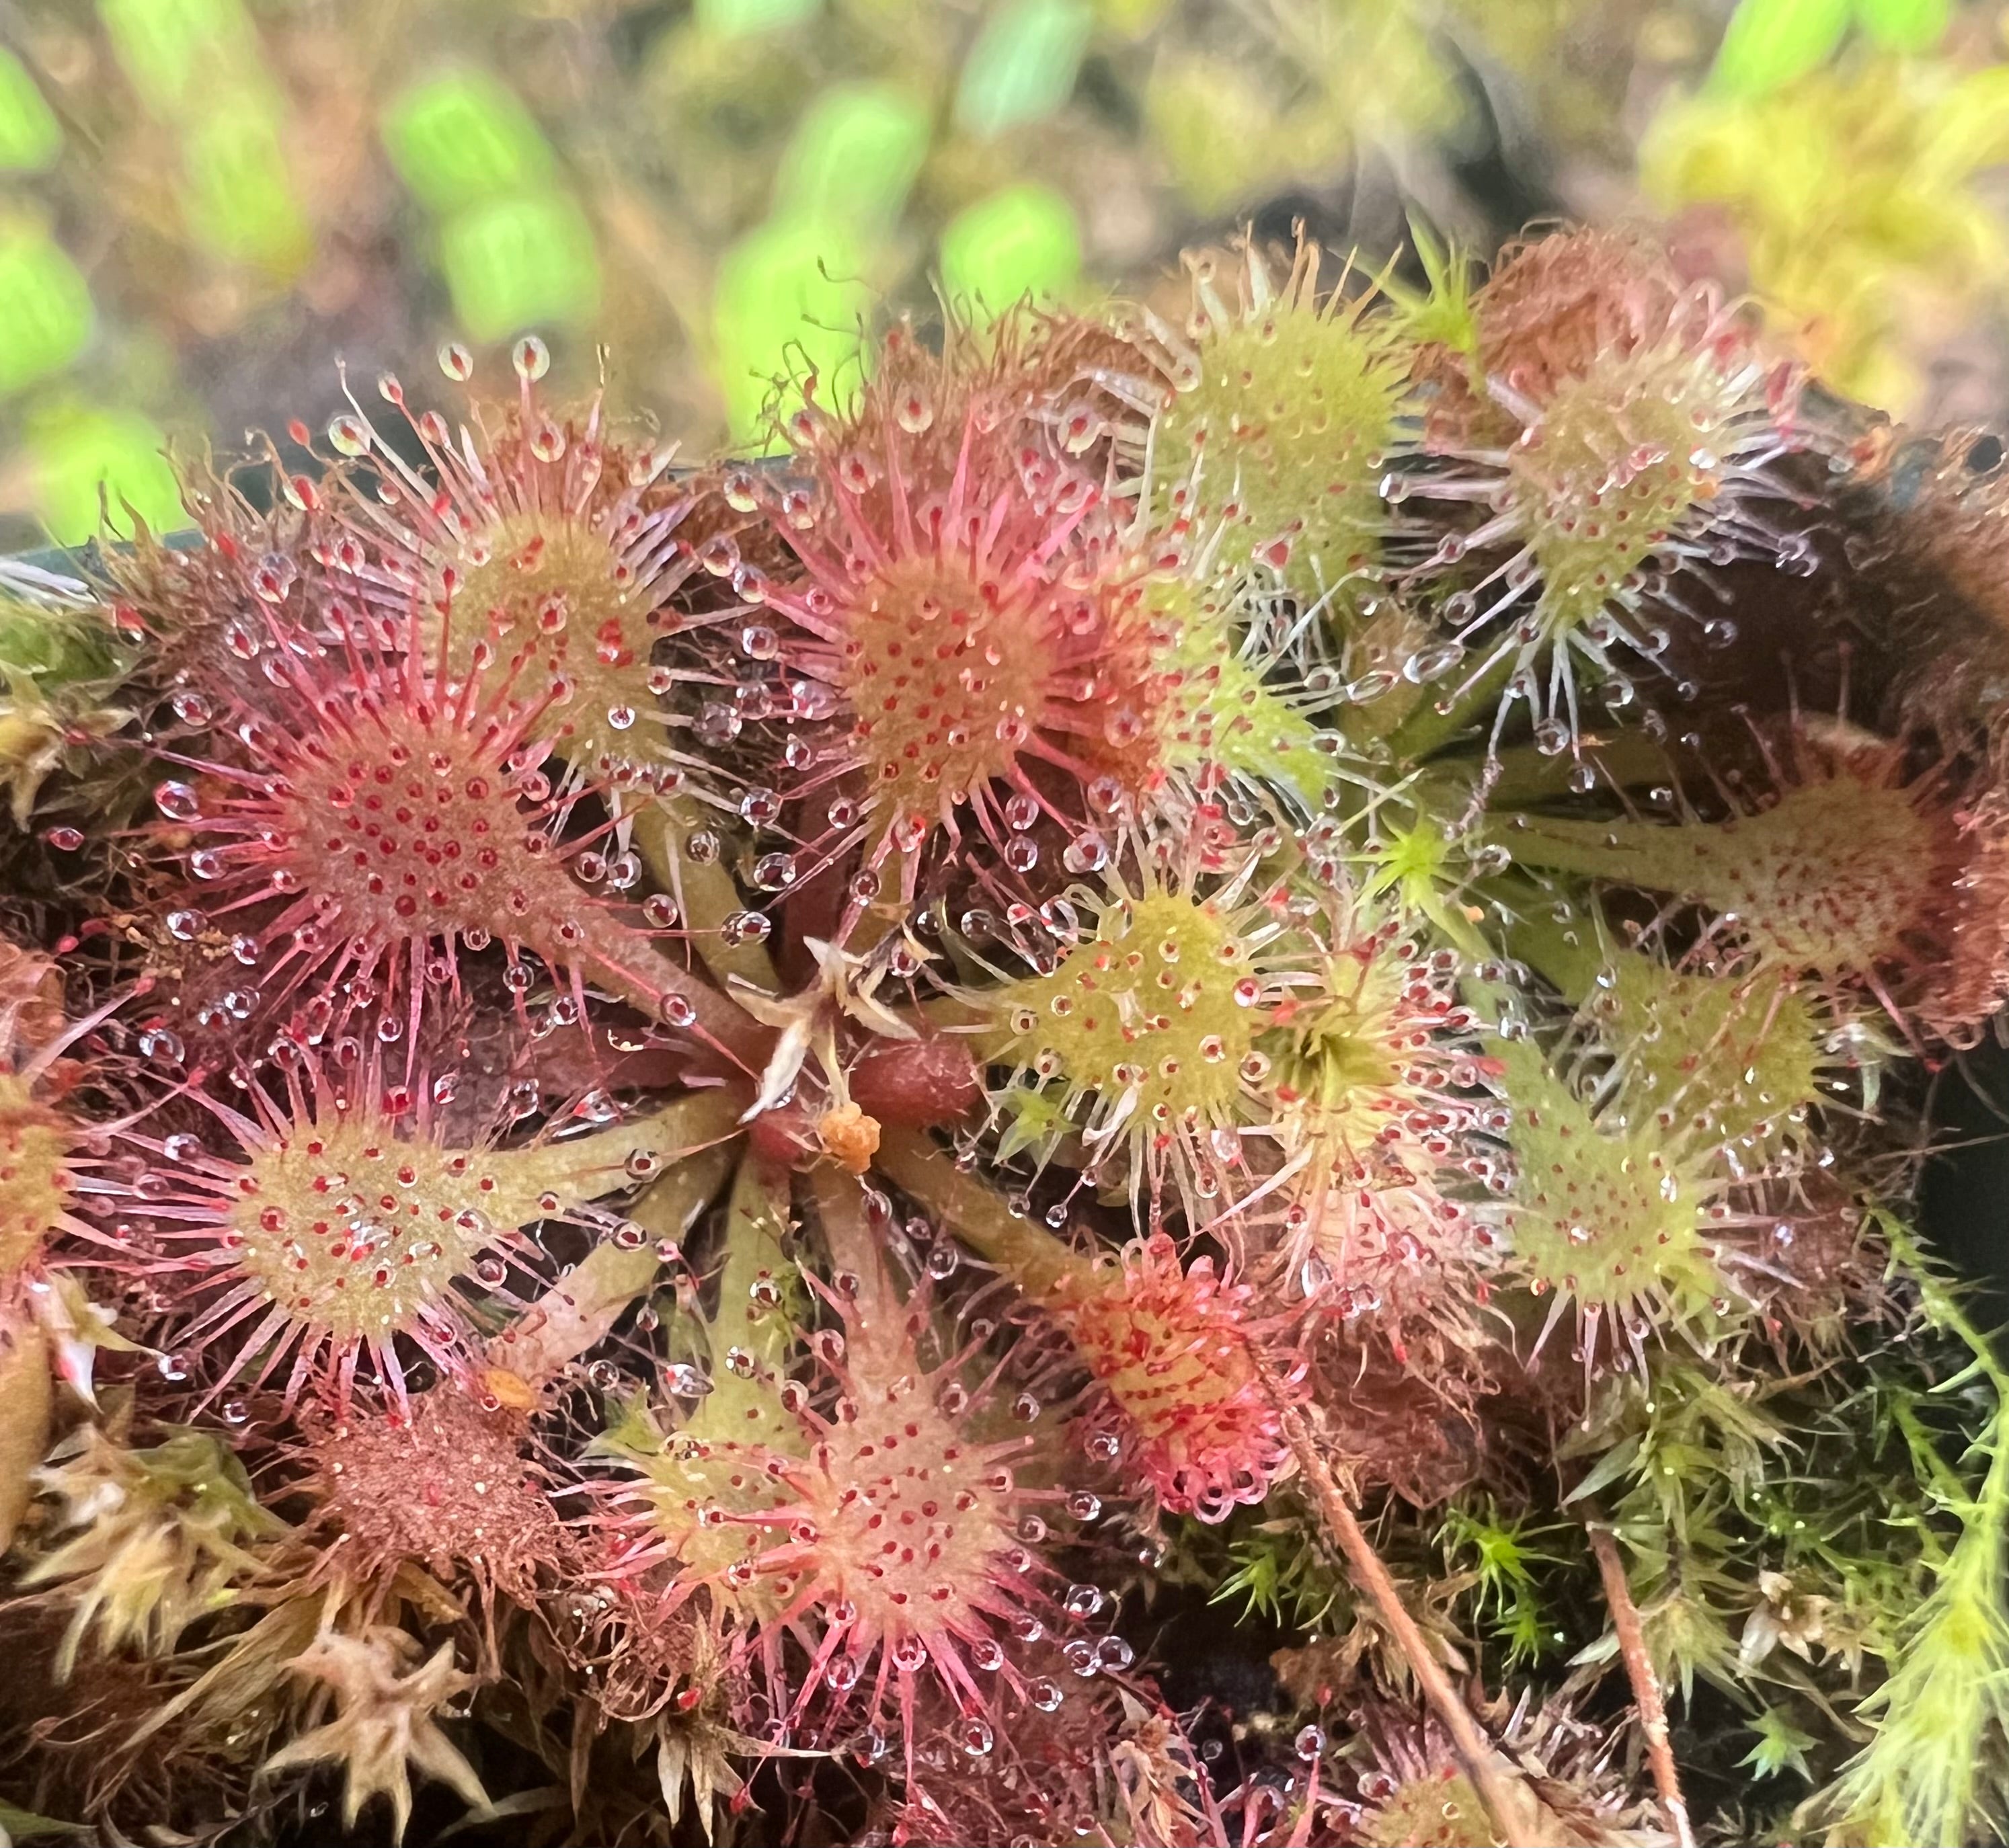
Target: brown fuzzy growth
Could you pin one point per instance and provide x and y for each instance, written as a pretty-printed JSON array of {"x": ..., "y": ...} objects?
[{"x": 447, "y": 1487}]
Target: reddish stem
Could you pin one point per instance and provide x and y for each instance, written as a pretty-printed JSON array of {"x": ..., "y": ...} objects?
[
  {"x": 1516, "y": 1815},
  {"x": 1645, "y": 1683}
]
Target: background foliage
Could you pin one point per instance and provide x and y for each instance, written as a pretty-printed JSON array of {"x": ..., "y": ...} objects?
[{"x": 200, "y": 199}]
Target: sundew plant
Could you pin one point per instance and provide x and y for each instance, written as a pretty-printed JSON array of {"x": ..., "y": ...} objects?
[{"x": 1165, "y": 1091}]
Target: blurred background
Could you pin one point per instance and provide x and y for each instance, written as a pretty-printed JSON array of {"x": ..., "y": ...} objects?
[{"x": 204, "y": 204}]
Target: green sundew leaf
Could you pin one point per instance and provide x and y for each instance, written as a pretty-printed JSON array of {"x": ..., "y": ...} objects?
[
  {"x": 44, "y": 307},
  {"x": 1854, "y": 830},
  {"x": 1768, "y": 43},
  {"x": 1745, "y": 1052},
  {"x": 1904, "y": 25},
  {"x": 855, "y": 156},
  {"x": 787, "y": 302},
  {"x": 1781, "y": 1745},
  {"x": 461, "y": 136},
  {"x": 173, "y": 51},
  {"x": 1024, "y": 240},
  {"x": 30, "y": 137},
  {"x": 1023, "y": 65},
  {"x": 72, "y": 454},
  {"x": 520, "y": 262},
  {"x": 238, "y": 193},
  {"x": 734, "y": 19}
]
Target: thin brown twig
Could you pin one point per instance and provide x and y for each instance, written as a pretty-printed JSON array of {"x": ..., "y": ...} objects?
[
  {"x": 1516, "y": 1815},
  {"x": 1645, "y": 1683}
]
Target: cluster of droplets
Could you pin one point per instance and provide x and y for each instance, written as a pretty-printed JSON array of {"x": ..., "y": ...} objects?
[
  {"x": 867, "y": 1532},
  {"x": 1143, "y": 1028},
  {"x": 1062, "y": 727},
  {"x": 545, "y": 543},
  {"x": 338, "y": 1224},
  {"x": 1173, "y": 1349},
  {"x": 1618, "y": 432}
]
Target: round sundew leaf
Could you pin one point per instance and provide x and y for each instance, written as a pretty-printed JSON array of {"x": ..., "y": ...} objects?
[
  {"x": 462, "y": 136},
  {"x": 44, "y": 306},
  {"x": 356, "y": 1231},
  {"x": 1719, "y": 1055},
  {"x": 521, "y": 261},
  {"x": 1205, "y": 705},
  {"x": 1287, "y": 417},
  {"x": 882, "y": 1533},
  {"x": 30, "y": 137},
  {"x": 1741, "y": 1055},
  {"x": 1610, "y": 1221},
  {"x": 1147, "y": 1004},
  {"x": 1023, "y": 241},
  {"x": 1768, "y": 43},
  {"x": 545, "y": 586},
  {"x": 1622, "y": 457},
  {"x": 1171, "y": 1346},
  {"x": 942, "y": 676},
  {"x": 1829, "y": 879},
  {"x": 1023, "y": 65}
]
